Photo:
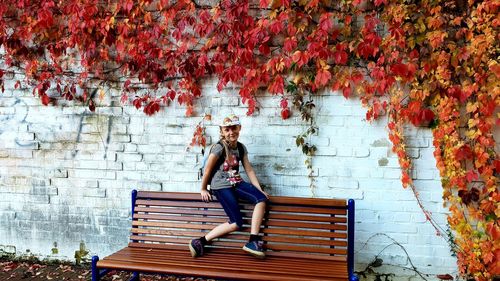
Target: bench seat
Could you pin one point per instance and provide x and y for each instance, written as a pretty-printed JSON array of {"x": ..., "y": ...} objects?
[
  {"x": 304, "y": 238},
  {"x": 232, "y": 264}
]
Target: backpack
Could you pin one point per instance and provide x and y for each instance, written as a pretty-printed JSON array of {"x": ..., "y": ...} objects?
[{"x": 220, "y": 161}]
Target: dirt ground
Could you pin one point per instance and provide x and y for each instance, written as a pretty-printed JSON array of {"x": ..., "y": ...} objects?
[{"x": 32, "y": 270}]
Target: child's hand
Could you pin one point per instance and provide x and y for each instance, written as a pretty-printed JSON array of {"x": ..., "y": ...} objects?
[
  {"x": 206, "y": 196},
  {"x": 266, "y": 194}
]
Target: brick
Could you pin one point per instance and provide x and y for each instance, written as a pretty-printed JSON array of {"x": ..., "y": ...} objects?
[
  {"x": 116, "y": 111},
  {"x": 100, "y": 165},
  {"x": 94, "y": 192},
  {"x": 38, "y": 199},
  {"x": 344, "y": 151},
  {"x": 335, "y": 192},
  {"x": 361, "y": 152},
  {"x": 92, "y": 174},
  {"x": 151, "y": 148},
  {"x": 426, "y": 174},
  {"x": 343, "y": 183},
  {"x": 392, "y": 173},
  {"x": 78, "y": 183},
  {"x": 130, "y": 147},
  {"x": 43, "y": 190},
  {"x": 121, "y": 138},
  {"x": 129, "y": 157},
  {"x": 387, "y": 228},
  {"x": 417, "y": 142},
  {"x": 24, "y": 154}
]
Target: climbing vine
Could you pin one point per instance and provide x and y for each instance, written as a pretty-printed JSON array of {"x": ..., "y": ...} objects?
[{"x": 429, "y": 63}]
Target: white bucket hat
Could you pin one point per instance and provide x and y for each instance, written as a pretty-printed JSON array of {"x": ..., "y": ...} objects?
[{"x": 230, "y": 120}]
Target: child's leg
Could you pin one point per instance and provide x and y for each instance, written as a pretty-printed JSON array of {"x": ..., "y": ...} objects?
[
  {"x": 220, "y": 230},
  {"x": 257, "y": 216},
  {"x": 253, "y": 195},
  {"x": 250, "y": 193},
  {"x": 229, "y": 202}
]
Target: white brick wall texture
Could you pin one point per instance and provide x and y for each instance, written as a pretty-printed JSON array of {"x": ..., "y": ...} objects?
[{"x": 66, "y": 173}]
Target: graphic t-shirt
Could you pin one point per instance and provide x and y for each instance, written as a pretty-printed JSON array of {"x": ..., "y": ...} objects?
[{"x": 226, "y": 175}]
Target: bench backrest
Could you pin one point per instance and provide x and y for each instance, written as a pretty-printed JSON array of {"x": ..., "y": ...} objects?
[{"x": 300, "y": 227}]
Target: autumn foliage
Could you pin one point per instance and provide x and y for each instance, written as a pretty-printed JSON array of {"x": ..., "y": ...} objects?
[{"x": 426, "y": 63}]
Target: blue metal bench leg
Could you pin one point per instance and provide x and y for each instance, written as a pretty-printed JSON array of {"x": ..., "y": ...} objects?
[
  {"x": 135, "y": 277},
  {"x": 95, "y": 271},
  {"x": 350, "y": 240}
]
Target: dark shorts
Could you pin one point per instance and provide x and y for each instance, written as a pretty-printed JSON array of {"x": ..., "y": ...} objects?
[{"x": 228, "y": 198}]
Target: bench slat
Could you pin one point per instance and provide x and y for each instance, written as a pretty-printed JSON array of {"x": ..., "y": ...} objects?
[
  {"x": 267, "y": 238},
  {"x": 188, "y": 196},
  {"x": 180, "y": 211},
  {"x": 306, "y": 210},
  {"x": 239, "y": 244},
  {"x": 170, "y": 203},
  {"x": 180, "y": 218},
  {"x": 284, "y": 254},
  {"x": 192, "y": 224},
  {"x": 180, "y": 232}
]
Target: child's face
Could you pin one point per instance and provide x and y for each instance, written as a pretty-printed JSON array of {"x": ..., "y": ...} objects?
[{"x": 231, "y": 133}]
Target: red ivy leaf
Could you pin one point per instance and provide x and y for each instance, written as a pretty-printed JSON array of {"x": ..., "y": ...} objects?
[
  {"x": 300, "y": 58},
  {"x": 379, "y": 2},
  {"x": 124, "y": 98},
  {"x": 45, "y": 99},
  {"x": 127, "y": 83},
  {"x": 285, "y": 113},
  {"x": 189, "y": 111},
  {"x": 277, "y": 86},
  {"x": 264, "y": 3},
  {"x": 471, "y": 176},
  {"x": 92, "y": 105},
  {"x": 340, "y": 57},
  {"x": 463, "y": 153},
  {"x": 346, "y": 92},
  {"x": 137, "y": 102},
  {"x": 427, "y": 115},
  {"x": 497, "y": 166},
  {"x": 283, "y": 103},
  {"x": 322, "y": 77},
  {"x": 444, "y": 277},
  {"x": 171, "y": 94}
]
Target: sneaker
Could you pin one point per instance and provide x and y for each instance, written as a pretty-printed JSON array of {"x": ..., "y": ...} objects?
[
  {"x": 196, "y": 248},
  {"x": 255, "y": 248}
]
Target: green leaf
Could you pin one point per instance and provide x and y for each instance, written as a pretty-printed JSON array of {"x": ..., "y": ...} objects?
[
  {"x": 299, "y": 141},
  {"x": 434, "y": 123},
  {"x": 305, "y": 149},
  {"x": 291, "y": 87},
  {"x": 491, "y": 217}
]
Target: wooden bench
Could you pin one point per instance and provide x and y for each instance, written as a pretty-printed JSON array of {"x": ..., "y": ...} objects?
[{"x": 305, "y": 238}]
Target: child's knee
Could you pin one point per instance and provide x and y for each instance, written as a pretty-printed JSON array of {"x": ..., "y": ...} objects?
[
  {"x": 262, "y": 202},
  {"x": 237, "y": 225}
]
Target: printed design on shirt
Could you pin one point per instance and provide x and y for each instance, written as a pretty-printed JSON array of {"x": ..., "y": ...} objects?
[{"x": 230, "y": 166}]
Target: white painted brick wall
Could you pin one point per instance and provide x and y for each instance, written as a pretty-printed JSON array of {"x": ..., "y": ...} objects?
[{"x": 66, "y": 173}]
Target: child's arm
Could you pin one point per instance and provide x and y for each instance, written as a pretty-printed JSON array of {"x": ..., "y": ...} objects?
[
  {"x": 211, "y": 161},
  {"x": 251, "y": 174}
]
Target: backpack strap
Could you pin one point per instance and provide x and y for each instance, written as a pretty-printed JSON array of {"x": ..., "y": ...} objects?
[
  {"x": 241, "y": 151},
  {"x": 219, "y": 162}
]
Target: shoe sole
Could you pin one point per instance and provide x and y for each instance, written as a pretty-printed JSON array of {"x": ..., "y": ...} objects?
[
  {"x": 254, "y": 253},
  {"x": 192, "y": 250}
]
